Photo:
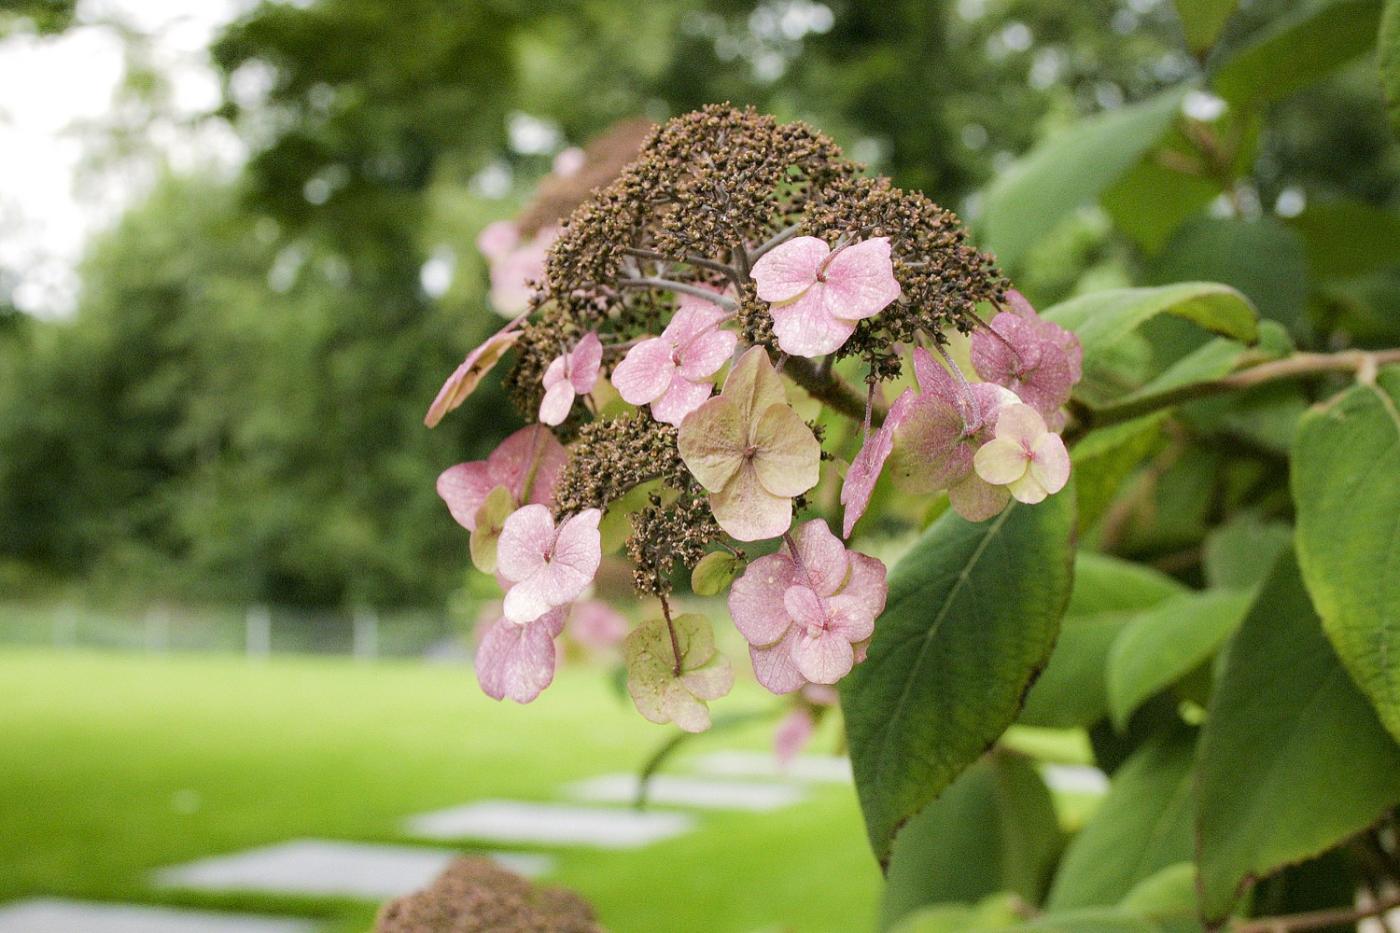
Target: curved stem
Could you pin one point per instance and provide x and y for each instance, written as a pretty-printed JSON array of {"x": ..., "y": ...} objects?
[
  {"x": 683, "y": 288},
  {"x": 777, "y": 239},
  {"x": 698, "y": 261},
  {"x": 830, "y": 389},
  {"x": 671, "y": 630},
  {"x": 1315, "y": 920}
]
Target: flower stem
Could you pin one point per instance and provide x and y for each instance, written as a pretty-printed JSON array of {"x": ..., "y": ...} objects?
[
  {"x": 777, "y": 239},
  {"x": 1315, "y": 920},
  {"x": 698, "y": 261},
  {"x": 671, "y": 630},
  {"x": 682, "y": 288},
  {"x": 830, "y": 389}
]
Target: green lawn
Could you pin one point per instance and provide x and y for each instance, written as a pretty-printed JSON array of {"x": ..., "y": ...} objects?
[{"x": 117, "y": 764}]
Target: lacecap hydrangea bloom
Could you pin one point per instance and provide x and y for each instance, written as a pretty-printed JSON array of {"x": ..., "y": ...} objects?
[{"x": 728, "y": 295}]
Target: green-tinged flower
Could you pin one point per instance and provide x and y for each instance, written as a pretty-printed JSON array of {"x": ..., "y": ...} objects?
[{"x": 661, "y": 694}]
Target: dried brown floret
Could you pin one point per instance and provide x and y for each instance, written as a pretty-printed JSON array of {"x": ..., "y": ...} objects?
[{"x": 475, "y": 895}]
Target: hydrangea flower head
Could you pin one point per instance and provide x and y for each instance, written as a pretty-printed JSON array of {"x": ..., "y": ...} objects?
[
  {"x": 546, "y": 566},
  {"x": 569, "y": 375},
  {"x": 527, "y": 464},
  {"x": 666, "y": 690},
  {"x": 467, "y": 376},
  {"x": 1038, "y": 360},
  {"x": 670, "y": 372},
  {"x": 808, "y": 611},
  {"x": 517, "y": 660},
  {"x": 818, "y": 294},
  {"x": 1025, "y": 457},
  {"x": 751, "y": 451}
]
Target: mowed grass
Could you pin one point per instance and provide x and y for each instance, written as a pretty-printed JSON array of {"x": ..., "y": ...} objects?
[{"x": 113, "y": 765}]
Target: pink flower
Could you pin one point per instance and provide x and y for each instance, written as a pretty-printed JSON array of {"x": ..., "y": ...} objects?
[
  {"x": 937, "y": 437},
  {"x": 569, "y": 375},
  {"x": 466, "y": 377},
  {"x": 569, "y": 162},
  {"x": 808, "y": 615},
  {"x": 818, "y": 295},
  {"x": 597, "y": 626},
  {"x": 1024, "y": 457},
  {"x": 546, "y": 566},
  {"x": 514, "y": 269},
  {"x": 496, "y": 240},
  {"x": 865, "y": 468},
  {"x": 527, "y": 464},
  {"x": 670, "y": 372},
  {"x": 517, "y": 660},
  {"x": 792, "y": 735},
  {"x": 1038, "y": 360}
]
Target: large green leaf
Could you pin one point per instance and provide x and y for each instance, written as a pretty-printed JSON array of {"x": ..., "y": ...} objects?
[
  {"x": 1298, "y": 49},
  {"x": 1164, "y": 644},
  {"x": 994, "y": 829},
  {"x": 1068, "y": 170},
  {"x": 1202, "y": 20},
  {"x": 1346, "y": 485},
  {"x": 972, "y": 614},
  {"x": 1152, "y": 201},
  {"x": 1105, "y": 457},
  {"x": 1292, "y": 760},
  {"x": 1262, "y": 258},
  {"x": 1143, "y": 825},
  {"x": 1390, "y": 59},
  {"x": 1108, "y": 593},
  {"x": 1349, "y": 238},
  {"x": 1241, "y": 554}
]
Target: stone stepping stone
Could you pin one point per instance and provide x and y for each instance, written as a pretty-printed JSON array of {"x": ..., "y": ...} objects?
[
  {"x": 702, "y": 792},
  {"x": 516, "y": 821},
  {"x": 51, "y": 915},
  {"x": 330, "y": 868},
  {"x": 1075, "y": 779},
  {"x": 814, "y": 769}
]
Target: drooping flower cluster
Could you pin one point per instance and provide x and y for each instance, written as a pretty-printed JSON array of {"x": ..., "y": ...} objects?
[{"x": 750, "y": 256}]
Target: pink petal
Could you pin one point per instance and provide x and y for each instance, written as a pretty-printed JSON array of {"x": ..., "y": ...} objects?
[
  {"x": 788, "y": 456},
  {"x": 823, "y": 658},
  {"x": 977, "y": 500},
  {"x": 533, "y": 447},
  {"x": 497, "y": 239},
  {"x": 806, "y": 328},
  {"x": 694, "y": 317},
  {"x": 557, "y": 401},
  {"x": 1027, "y": 489},
  {"x": 682, "y": 398},
  {"x": 584, "y": 362},
  {"x": 712, "y": 442},
  {"x": 865, "y": 469},
  {"x": 850, "y": 618},
  {"x": 466, "y": 377},
  {"x": 774, "y": 667},
  {"x": 756, "y": 599},
  {"x": 747, "y": 511},
  {"x": 785, "y": 270},
  {"x": 824, "y": 559},
  {"x": 645, "y": 372},
  {"x": 931, "y": 451},
  {"x": 1020, "y": 423},
  {"x": 860, "y": 280},
  {"x": 1001, "y": 461},
  {"x": 597, "y": 625},
  {"x": 866, "y": 586},
  {"x": 702, "y": 356},
  {"x": 464, "y": 487},
  {"x": 512, "y": 278},
  {"x": 792, "y": 735},
  {"x": 804, "y": 606},
  {"x": 565, "y": 569},
  {"x": 556, "y": 372},
  {"x": 517, "y": 661},
  {"x": 578, "y": 545},
  {"x": 1050, "y": 463},
  {"x": 527, "y": 536}
]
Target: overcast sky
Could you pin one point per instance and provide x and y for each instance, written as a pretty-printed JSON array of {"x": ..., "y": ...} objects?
[{"x": 53, "y": 92}]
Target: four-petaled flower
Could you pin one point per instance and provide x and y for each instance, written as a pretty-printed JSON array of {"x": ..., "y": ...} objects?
[
  {"x": 527, "y": 464},
  {"x": 937, "y": 437},
  {"x": 671, "y": 371},
  {"x": 546, "y": 566},
  {"x": 667, "y": 690},
  {"x": 1024, "y": 456},
  {"x": 570, "y": 374},
  {"x": 1038, "y": 360},
  {"x": 751, "y": 451},
  {"x": 808, "y": 612},
  {"x": 818, "y": 295},
  {"x": 517, "y": 660}
]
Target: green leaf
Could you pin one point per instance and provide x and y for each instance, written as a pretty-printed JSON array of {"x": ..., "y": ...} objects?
[
  {"x": 673, "y": 670},
  {"x": 1143, "y": 825},
  {"x": 972, "y": 614},
  {"x": 1298, "y": 49},
  {"x": 1262, "y": 258},
  {"x": 1345, "y": 469},
  {"x": 1203, "y": 20},
  {"x": 1390, "y": 60},
  {"x": 1292, "y": 759},
  {"x": 1068, "y": 170},
  {"x": 1241, "y": 553},
  {"x": 994, "y": 829},
  {"x": 993, "y": 913},
  {"x": 714, "y": 572},
  {"x": 1108, "y": 593},
  {"x": 1151, "y": 201},
  {"x": 1348, "y": 238},
  {"x": 1167, "y": 642},
  {"x": 1105, "y": 457}
]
